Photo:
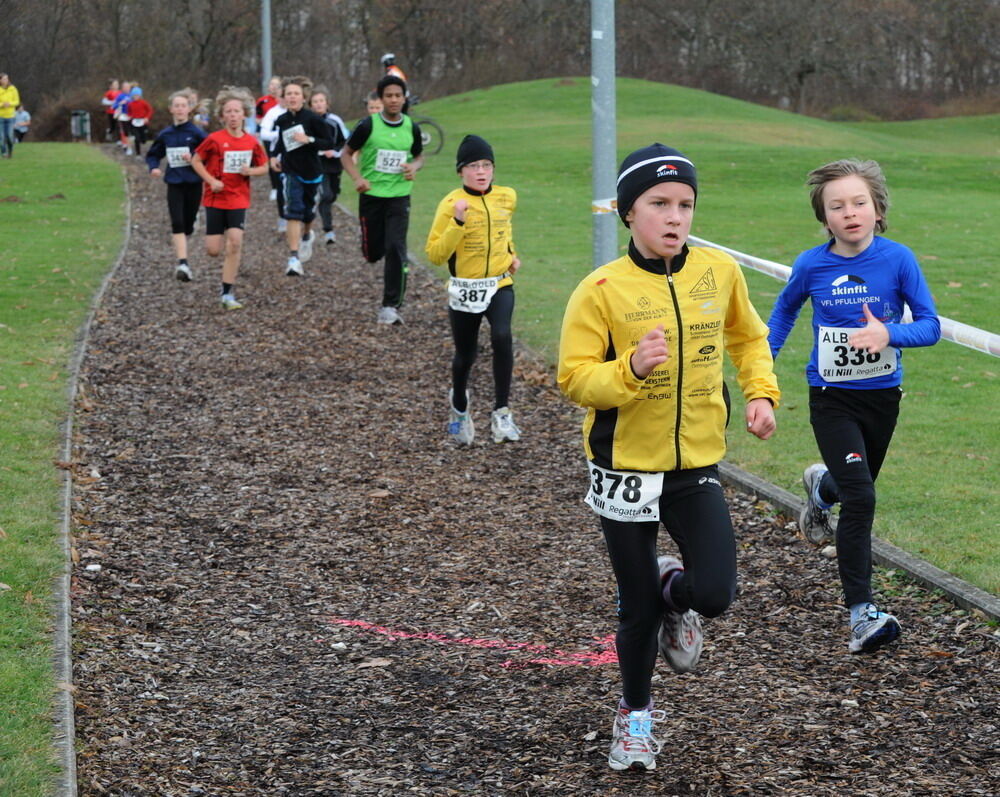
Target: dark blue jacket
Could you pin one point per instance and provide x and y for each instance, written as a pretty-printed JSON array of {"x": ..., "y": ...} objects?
[{"x": 187, "y": 135}]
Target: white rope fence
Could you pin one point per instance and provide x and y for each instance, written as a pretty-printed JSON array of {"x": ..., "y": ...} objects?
[{"x": 955, "y": 331}]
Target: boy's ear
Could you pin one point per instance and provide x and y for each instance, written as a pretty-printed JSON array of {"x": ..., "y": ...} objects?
[{"x": 630, "y": 216}]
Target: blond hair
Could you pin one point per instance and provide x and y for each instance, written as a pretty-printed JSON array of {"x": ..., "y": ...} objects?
[
  {"x": 230, "y": 93},
  {"x": 185, "y": 93},
  {"x": 869, "y": 171}
]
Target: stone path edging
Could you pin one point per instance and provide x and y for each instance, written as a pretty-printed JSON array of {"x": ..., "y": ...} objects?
[
  {"x": 961, "y": 592},
  {"x": 65, "y": 733}
]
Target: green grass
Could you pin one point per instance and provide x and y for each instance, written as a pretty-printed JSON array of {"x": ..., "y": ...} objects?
[
  {"x": 58, "y": 238},
  {"x": 938, "y": 497}
]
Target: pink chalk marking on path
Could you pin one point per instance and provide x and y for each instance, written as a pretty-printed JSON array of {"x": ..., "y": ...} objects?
[{"x": 559, "y": 658}]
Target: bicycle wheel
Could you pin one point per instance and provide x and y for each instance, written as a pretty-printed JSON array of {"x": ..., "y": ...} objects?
[{"x": 432, "y": 136}]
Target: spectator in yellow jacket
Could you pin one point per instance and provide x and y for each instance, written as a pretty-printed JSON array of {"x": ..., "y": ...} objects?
[{"x": 9, "y": 100}]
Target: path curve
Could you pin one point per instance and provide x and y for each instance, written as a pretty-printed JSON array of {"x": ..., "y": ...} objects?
[{"x": 289, "y": 583}]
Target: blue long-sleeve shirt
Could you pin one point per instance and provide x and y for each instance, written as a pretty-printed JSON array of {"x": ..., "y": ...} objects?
[
  {"x": 171, "y": 141},
  {"x": 885, "y": 276}
]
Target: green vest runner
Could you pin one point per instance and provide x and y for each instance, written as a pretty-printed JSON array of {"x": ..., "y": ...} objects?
[{"x": 383, "y": 155}]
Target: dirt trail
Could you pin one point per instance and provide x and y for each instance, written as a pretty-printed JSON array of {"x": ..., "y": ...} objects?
[{"x": 305, "y": 589}]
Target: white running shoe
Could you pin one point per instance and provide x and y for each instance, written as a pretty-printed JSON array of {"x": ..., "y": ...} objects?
[
  {"x": 230, "y": 303},
  {"x": 633, "y": 743},
  {"x": 814, "y": 520},
  {"x": 306, "y": 248},
  {"x": 282, "y": 225},
  {"x": 389, "y": 316},
  {"x": 873, "y": 630},
  {"x": 183, "y": 272},
  {"x": 680, "y": 638},
  {"x": 273, "y": 196},
  {"x": 503, "y": 426},
  {"x": 294, "y": 268},
  {"x": 330, "y": 237},
  {"x": 460, "y": 425}
]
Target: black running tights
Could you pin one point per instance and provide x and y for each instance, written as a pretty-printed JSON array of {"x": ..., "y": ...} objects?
[
  {"x": 694, "y": 512},
  {"x": 465, "y": 332}
]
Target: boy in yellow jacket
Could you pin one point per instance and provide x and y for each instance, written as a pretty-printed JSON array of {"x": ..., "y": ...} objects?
[
  {"x": 641, "y": 348},
  {"x": 472, "y": 234}
]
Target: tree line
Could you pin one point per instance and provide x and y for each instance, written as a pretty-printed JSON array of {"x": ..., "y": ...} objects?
[{"x": 889, "y": 59}]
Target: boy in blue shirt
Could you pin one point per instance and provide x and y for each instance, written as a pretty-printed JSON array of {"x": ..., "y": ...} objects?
[
  {"x": 859, "y": 284},
  {"x": 177, "y": 144}
]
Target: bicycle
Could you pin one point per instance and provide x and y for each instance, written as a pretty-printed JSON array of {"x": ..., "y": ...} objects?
[{"x": 431, "y": 133}]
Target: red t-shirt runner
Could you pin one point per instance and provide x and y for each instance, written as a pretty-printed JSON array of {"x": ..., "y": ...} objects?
[
  {"x": 264, "y": 104},
  {"x": 224, "y": 155}
]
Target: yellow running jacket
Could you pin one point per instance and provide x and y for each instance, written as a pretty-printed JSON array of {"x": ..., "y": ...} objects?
[
  {"x": 484, "y": 245},
  {"x": 676, "y": 417}
]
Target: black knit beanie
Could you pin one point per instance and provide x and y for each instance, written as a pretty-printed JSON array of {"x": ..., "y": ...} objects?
[
  {"x": 648, "y": 166},
  {"x": 472, "y": 149}
]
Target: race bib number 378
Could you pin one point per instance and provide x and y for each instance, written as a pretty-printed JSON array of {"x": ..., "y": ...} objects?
[{"x": 629, "y": 496}]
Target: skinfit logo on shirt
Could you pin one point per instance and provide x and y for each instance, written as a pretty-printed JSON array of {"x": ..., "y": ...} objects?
[{"x": 853, "y": 285}]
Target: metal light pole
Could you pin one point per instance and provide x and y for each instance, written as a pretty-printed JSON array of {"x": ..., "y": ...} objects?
[
  {"x": 602, "y": 78},
  {"x": 265, "y": 43}
]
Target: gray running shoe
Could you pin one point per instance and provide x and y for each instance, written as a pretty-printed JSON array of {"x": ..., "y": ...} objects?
[
  {"x": 503, "y": 427},
  {"x": 814, "y": 521},
  {"x": 633, "y": 743},
  {"x": 294, "y": 268},
  {"x": 389, "y": 316},
  {"x": 680, "y": 638},
  {"x": 306, "y": 248},
  {"x": 230, "y": 303},
  {"x": 460, "y": 426},
  {"x": 183, "y": 272},
  {"x": 873, "y": 630}
]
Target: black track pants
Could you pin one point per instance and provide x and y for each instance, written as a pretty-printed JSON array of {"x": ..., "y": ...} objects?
[{"x": 384, "y": 223}]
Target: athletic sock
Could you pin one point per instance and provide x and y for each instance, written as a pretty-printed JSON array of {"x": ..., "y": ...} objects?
[
  {"x": 667, "y": 583},
  {"x": 825, "y": 495},
  {"x": 227, "y": 287},
  {"x": 626, "y": 707},
  {"x": 295, "y": 253},
  {"x": 182, "y": 261}
]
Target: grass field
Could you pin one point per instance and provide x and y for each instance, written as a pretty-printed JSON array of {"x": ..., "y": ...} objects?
[
  {"x": 938, "y": 498},
  {"x": 61, "y": 224}
]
